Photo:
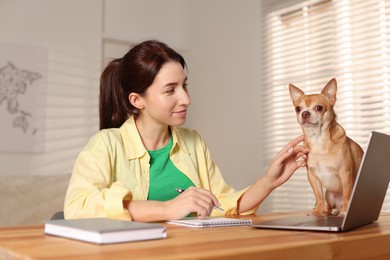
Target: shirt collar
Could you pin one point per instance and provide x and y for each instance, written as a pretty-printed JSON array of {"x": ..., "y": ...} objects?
[
  {"x": 130, "y": 135},
  {"x": 178, "y": 140}
]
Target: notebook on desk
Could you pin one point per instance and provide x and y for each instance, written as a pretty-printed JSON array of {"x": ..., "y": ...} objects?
[
  {"x": 210, "y": 222},
  {"x": 366, "y": 200}
]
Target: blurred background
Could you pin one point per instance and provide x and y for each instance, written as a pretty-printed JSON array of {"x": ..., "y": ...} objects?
[{"x": 241, "y": 57}]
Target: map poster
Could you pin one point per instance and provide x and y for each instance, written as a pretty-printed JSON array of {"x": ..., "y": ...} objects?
[{"x": 23, "y": 91}]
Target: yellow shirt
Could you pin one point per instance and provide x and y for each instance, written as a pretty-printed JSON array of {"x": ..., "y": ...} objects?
[{"x": 114, "y": 166}]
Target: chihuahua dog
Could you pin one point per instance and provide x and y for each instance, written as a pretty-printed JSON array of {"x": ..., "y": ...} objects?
[{"x": 333, "y": 159}]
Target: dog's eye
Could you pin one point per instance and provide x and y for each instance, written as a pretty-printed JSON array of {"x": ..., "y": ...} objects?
[
  {"x": 298, "y": 109},
  {"x": 319, "y": 108}
]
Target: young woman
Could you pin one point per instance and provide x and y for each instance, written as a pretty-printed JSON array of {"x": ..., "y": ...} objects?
[{"x": 136, "y": 166}]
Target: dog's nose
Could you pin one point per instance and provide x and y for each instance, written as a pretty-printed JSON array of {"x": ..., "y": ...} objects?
[{"x": 305, "y": 114}]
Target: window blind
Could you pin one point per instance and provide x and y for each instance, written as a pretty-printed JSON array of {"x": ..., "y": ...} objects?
[{"x": 309, "y": 43}]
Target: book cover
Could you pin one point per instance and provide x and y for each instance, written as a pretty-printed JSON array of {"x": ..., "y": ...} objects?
[{"x": 104, "y": 230}]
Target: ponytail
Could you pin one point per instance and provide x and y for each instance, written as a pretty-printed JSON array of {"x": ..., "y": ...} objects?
[
  {"x": 114, "y": 109},
  {"x": 134, "y": 73}
]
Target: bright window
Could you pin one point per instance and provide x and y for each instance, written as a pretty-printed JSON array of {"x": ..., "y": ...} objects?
[{"x": 308, "y": 44}]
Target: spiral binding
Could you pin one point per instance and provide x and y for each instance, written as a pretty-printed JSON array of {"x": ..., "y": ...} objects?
[{"x": 233, "y": 222}]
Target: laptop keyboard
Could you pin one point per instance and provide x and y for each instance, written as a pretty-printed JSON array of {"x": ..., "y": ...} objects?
[{"x": 323, "y": 222}]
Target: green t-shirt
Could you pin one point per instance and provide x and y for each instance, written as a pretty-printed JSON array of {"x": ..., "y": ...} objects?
[{"x": 164, "y": 176}]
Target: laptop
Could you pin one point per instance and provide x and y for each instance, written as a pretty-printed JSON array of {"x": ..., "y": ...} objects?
[{"x": 366, "y": 200}]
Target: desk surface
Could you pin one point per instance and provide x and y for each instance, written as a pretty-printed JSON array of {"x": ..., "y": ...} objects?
[{"x": 369, "y": 242}]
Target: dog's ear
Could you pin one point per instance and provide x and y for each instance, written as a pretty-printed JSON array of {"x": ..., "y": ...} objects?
[
  {"x": 295, "y": 92},
  {"x": 330, "y": 90}
]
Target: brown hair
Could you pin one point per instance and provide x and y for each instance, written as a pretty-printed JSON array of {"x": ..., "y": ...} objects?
[{"x": 133, "y": 73}]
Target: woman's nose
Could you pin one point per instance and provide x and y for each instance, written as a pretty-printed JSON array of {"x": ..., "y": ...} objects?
[{"x": 185, "y": 97}]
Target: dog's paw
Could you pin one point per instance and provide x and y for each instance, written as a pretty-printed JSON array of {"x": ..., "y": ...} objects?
[
  {"x": 317, "y": 213},
  {"x": 333, "y": 212}
]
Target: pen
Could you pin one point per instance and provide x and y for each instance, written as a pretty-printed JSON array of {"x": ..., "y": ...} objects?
[{"x": 182, "y": 190}]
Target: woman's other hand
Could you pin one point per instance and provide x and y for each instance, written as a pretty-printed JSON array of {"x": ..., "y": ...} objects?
[
  {"x": 193, "y": 199},
  {"x": 286, "y": 162}
]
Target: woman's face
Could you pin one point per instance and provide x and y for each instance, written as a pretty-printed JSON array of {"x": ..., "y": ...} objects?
[{"x": 166, "y": 101}]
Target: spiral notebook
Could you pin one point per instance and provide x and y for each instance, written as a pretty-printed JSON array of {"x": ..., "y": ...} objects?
[{"x": 211, "y": 222}]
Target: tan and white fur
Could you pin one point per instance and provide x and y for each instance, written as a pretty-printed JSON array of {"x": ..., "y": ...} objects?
[{"x": 333, "y": 159}]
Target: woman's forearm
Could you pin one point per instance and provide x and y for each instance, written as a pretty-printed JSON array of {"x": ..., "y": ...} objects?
[
  {"x": 147, "y": 211},
  {"x": 282, "y": 167},
  {"x": 255, "y": 195}
]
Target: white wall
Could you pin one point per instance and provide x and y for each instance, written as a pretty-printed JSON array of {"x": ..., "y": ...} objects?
[
  {"x": 71, "y": 32},
  {"x": 224, "y": 82},
  {"x": 137, "y": 20},
  {"x": 33, "y": 185}
]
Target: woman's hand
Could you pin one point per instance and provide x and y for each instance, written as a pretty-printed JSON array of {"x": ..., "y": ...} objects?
[
  {"x": 191, "y": 200},
  {"x": 286, "y": 162}
]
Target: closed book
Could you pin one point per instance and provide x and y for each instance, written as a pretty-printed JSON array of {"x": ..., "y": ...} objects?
[{"x": 104, "y": 230}]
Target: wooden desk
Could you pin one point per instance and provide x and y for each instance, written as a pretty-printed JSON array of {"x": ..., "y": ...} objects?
[{"x": 369, "y": 242}]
